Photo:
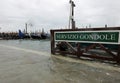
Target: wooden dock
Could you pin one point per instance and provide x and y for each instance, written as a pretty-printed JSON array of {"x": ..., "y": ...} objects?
[
  {"x": 66, "y": 46},
  {"x": 9, "y": 35}
]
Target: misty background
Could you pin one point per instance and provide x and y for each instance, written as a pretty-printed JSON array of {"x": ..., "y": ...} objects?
[{"x": 54, "y": 14}]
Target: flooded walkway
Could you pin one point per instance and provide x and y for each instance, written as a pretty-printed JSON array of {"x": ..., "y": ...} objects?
[{"x": 30, "y": 62}]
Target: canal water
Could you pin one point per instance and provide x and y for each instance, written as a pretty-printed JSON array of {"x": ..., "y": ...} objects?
[{"x": 30, "y": 61}]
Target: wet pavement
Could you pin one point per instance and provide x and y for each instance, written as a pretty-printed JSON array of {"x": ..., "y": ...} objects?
[{"x": 31, "y": 62}]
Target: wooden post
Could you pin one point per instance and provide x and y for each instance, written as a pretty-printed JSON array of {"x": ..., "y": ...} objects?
[
  {"x": 79, "y": 52},
  {"x": 118, "y": 55},
  {"x": 52, "y": 42}
]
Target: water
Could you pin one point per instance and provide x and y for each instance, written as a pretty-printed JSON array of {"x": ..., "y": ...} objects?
[{"x": 30, "y": 61}]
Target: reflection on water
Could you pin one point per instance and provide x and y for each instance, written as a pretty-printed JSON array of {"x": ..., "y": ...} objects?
[{"x": 27, "y": 61}]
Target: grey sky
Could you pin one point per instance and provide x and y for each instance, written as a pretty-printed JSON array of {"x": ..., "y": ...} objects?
[{"x": 51, "y": 14}]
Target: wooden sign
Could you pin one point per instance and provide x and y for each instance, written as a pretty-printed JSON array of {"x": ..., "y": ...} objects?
[{"x": 104, "y": 37}]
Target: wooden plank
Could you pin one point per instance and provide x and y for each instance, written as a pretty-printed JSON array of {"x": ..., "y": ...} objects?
[
  {"x": 99, "y": 57},
  {"x": 71, "y": 47},
  {"x": 65, "y": 52},
  {"x": 89, "y": 29},
  {"x": 90, "y": 47},
  {"x": 108, "y": 51}
]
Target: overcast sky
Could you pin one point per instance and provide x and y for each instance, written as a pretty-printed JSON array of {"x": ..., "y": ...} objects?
[{"x": 51, "y": 14}]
